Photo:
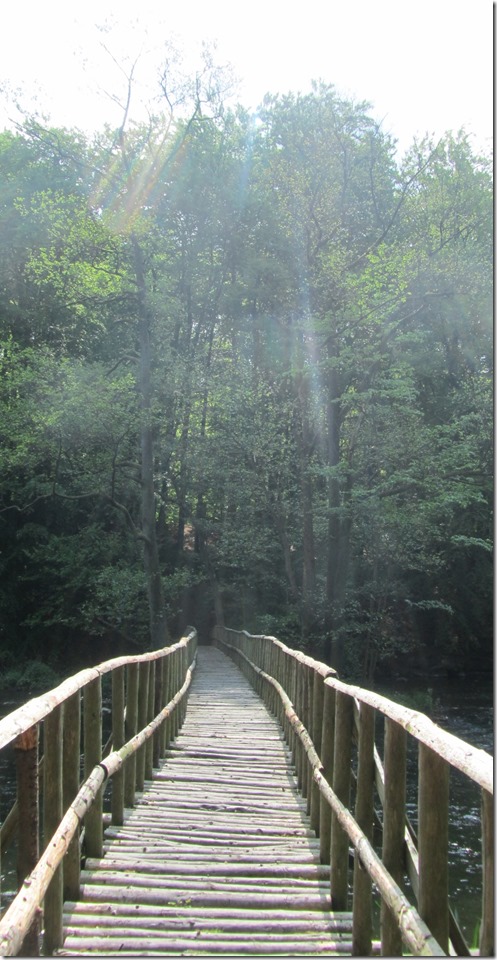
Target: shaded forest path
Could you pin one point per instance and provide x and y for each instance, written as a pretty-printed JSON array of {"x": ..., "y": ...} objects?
[{"x": 217, "y": 856}]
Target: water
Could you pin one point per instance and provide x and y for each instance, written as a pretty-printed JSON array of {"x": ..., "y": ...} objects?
[{"x": 464, "y": 709}]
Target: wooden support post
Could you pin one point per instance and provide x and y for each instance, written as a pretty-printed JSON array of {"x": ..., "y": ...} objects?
[
  {"x": 158, "y": 704},
  {"x": 362, "y": 921},
  {"x": 298, "y": 703},
  {"x": 182, "y": 678},
  {"x": 394, "y": 805},
  {"x": 277, "y": 664},
  {"x": 316, "y": 735},
  {"x": 166, "y": 683},
  {"x": 149, "y": 746},
  {"x": 26, "y": 758},
  {"x": 433, "y": 843},
  {"x": 92, "y": 699},
  {"x": 487, "y": 919},
  {"x": 130, "y": 728},
  {"x": 117, "y": 802},
  {"x": 70, "y": 786},
  {"x": 52, "y": 815},
  {"x": 174, "y": 690},
  {"x": 143, "y": 683},
  {"x": 327, "y": 748},
  {"x": 307, "y": 721},
  {"x": 341, "y": 785},
  {"x": 292, "y": 687},
  {"x": 261, "y": 644}
]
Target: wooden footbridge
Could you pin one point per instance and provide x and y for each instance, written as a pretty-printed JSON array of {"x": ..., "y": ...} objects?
[{"x": 261, "y": 819}]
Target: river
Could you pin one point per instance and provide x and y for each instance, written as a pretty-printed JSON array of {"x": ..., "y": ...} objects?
[{"x": 465, "y": 708}]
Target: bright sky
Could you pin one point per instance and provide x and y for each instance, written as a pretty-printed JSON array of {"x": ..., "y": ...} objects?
[{"x": 426, "y": 67}]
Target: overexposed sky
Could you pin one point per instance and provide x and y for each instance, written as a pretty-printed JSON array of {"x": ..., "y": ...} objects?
[{"x": 426, "y": 67}]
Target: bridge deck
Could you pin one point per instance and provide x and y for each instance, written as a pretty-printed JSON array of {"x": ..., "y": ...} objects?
[{"x": 217, "y": 857}]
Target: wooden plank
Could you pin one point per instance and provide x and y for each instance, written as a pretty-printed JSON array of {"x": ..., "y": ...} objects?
[
  {"x": 215, "y": 836},
  {"x": 109, "y": 947},
  {"x": 211, "y": 869},
  {"x": 335, "y": 921},
  {"x": 240, "y": 898},
  {"x": 257, "y": 932}
]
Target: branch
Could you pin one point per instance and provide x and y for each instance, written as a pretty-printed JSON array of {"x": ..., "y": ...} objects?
[
  {"x": 400, "y": 203},
  {"x": 107, "y": 498},
  {"x": 133, "y": 358}
]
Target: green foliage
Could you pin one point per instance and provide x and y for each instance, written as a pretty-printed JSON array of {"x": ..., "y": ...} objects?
[
  {"x": 36, "y": 676},
  {"x": 286, "y": 339}
]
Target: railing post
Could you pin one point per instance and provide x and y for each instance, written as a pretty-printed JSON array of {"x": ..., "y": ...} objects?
[
  {"x": 307, "y": 721},
  {"x": 158, "y": 704},
  {"x": 130, "y": 730},
  {"x": 173, "y": 664},
  {"x": 52, "y": 815},
  {"x": 92, "y": 699},
  {"x": 117, "y": 802},
  {"x": 26, "y": 757},
  {"x": 341, "y": 786},
  {"x": 393, "y": 827},
  {"x": 362, "y": 919},
  {"x": 149, "y": 747},
  {"x": 433, "y": 843},
  {"x": 182, "y": 678},
  {"x": 173, "y": 686},
  {"x": 144, "y": 674},
  {"x": 316, "y": 734},
  {"x": 291, "y": 690},
  {"x": 171, "y": 671},
  {"x": 165, "y": 726},
  {"x": 71, "y": 781},
  {"x": 327, "y": 749},
  {"x": 487, "y": 919},
  {"x": 299, "y": 751}
]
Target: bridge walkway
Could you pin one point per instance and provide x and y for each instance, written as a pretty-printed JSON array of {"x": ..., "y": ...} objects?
[{"x": 217, "y": 857}]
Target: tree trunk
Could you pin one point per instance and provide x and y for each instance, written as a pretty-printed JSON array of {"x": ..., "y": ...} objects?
[
  {"x": 159, "y": 634},
  {"x": 309, "y": 561},
  {"x": 338, "y": 528}
]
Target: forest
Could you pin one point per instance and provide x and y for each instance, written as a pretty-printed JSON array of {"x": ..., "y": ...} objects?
[{"x": 246, "y": 375}]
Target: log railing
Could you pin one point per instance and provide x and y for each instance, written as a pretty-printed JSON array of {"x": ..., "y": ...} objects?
[
  {"x": 148, "y": 703},
  {"x": 330, "y": 727}
]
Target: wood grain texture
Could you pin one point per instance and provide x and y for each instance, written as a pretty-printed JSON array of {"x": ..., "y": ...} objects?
[{"x": 218, "y": 856}]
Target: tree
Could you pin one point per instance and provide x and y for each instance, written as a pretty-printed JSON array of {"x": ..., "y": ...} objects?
[{"x": 248, "y": 359}]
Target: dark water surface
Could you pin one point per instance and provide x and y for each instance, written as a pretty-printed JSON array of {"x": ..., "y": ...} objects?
[{"x": 464, "y": 708}]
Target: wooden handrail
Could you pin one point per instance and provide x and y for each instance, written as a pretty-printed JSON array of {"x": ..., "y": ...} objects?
[
  {"x": 70, "y": 805},
  {"x": 321, "y": 750},
  {"x": 474, "y": 763},
  {"x": 38, "y": 708},
  {"x": 329, "y": 726}
]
